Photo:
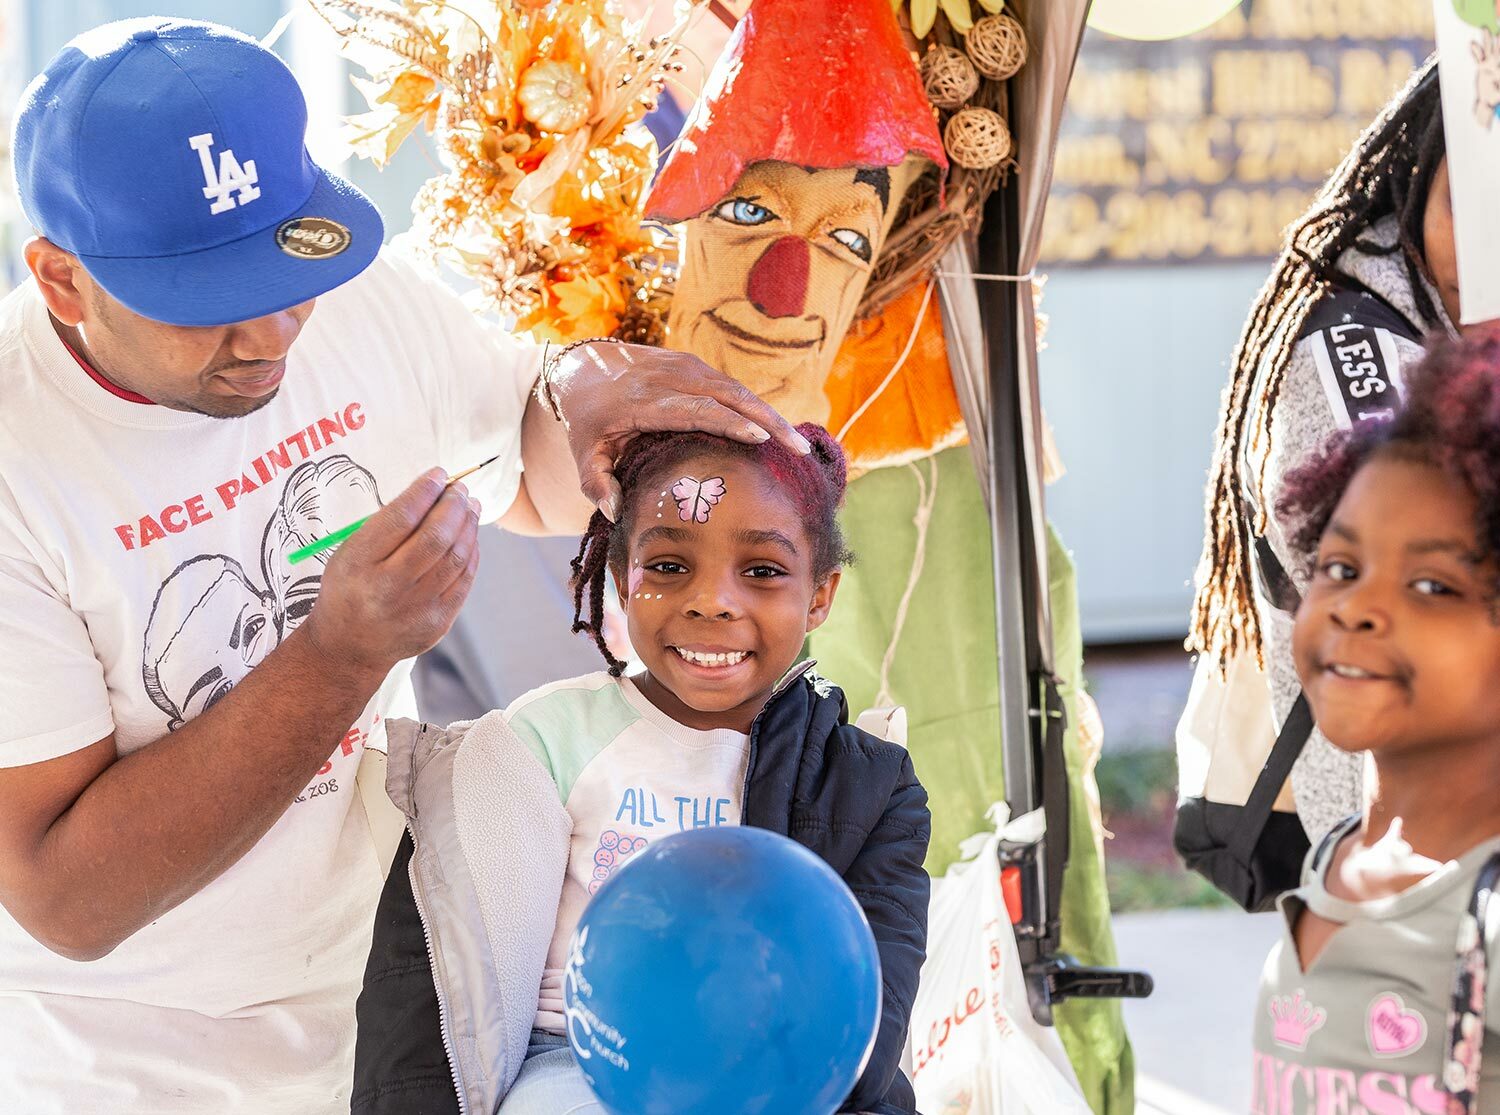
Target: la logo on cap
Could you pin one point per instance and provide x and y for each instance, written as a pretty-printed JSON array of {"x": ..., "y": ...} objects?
[
  {"x": 232, "y": 189},
  {"x": 230, "y": 176}
]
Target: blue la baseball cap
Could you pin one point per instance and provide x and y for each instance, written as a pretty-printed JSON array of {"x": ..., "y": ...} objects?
[{"x": 169, "y": 156}]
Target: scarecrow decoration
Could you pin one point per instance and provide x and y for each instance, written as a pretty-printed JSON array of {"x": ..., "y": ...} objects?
[
  {"x": 812, "y": 230},
  {"x": 785, "y": 201}
]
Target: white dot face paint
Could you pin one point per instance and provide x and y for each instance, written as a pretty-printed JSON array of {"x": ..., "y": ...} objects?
[{"x": 696, "y": 498}]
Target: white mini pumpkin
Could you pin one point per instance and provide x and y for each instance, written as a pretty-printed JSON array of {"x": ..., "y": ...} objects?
[{"x": 554, "y": 96}]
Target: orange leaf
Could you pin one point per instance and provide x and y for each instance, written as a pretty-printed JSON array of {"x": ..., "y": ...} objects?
[{"x": 412, "y": 93}]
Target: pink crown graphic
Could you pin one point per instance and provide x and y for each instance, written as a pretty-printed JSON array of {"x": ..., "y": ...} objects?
[{"x": 1294, "y": 1020}]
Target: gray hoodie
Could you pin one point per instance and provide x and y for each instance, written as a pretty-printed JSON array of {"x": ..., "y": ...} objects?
[{"x": 1328, "y": 784}]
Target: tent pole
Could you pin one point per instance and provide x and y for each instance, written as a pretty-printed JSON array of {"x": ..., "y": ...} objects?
[{"x": 1016, "y": 576}]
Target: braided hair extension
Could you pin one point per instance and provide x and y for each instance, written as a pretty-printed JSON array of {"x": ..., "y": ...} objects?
[
  {"x": 1389, "y": 171},
  {"x": 814, "y": 484}
]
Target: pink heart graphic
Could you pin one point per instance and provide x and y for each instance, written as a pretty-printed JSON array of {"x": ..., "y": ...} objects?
[{"x": 1392, "y": 1029}]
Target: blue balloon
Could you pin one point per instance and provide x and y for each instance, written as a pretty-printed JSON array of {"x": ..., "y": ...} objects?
[{"x": 723, "y": 971}]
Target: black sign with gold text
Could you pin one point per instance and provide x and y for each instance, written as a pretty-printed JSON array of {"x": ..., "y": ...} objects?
[{"x": 1206, "y": 148}]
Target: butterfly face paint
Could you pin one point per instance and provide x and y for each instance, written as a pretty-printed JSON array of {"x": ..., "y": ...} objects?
[
  {"x": 728, "y": 593},
  {"x": 696, "y": 498}
]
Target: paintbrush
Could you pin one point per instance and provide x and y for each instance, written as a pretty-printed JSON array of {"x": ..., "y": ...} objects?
[{"x": 317, "y": 546}]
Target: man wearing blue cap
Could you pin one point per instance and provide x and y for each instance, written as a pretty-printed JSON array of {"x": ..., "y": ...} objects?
[{"x": 189, "y": 864}]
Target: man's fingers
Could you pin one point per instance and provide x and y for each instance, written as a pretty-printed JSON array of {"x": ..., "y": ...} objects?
[
  {"x": 455, "y": 595},
  {"x": 702, "y": 412},
  {"x": 671, "y": 414},
  {"x": 614, "y": 503},
  {"x": 394, "y": 523},
  {"x": 757, "y": 415},
  {"x": 596, "y": 479},
  {"x": 429, "y": 544},
  {"x": 452, "y": 565}
]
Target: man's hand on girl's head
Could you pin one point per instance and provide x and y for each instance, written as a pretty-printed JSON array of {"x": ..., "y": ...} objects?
[{"x": 609, "y": 392}]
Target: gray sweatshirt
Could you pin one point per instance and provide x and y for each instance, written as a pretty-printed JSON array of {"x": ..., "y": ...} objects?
[{"x": 1328, "y": 784}]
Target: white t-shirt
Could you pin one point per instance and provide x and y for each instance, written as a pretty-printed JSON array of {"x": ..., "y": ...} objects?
[
  {"x": 627, "y": 774},
  {"x": 143, "y": 573}
]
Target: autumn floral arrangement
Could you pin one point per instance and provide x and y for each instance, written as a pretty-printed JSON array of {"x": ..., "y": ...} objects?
[{"x": 535, "y": 109}]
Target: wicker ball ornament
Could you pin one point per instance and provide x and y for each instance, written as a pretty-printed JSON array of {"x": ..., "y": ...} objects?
[
  {"x": 997, "y": 46},
  {"x": 977, "y": 138},
  {"x": 948, "y": 77}
]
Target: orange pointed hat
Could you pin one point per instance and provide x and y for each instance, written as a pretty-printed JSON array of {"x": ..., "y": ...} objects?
[{"x": 817, "y": 83}]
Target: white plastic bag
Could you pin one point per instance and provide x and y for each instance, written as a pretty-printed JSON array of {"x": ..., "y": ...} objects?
[{"x": 974, "y": 1048}]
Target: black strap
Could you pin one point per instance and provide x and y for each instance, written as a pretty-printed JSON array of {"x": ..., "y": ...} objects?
[
  {"x": 1275, "y": 581},
  {"x": 1331, "y": 839},
  {"x": 1273, "y": 776},
  {"x": 1347, "y": 298},
  {"x": 1460, "y": 1076}
]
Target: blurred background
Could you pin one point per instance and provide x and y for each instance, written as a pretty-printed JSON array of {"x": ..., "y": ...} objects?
[{"x": 1180, "y": 165}]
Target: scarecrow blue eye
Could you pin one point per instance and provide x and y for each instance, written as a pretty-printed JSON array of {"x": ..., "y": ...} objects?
[
  {"x": 856, "y": 242},
  {"x": 743, "y": 211}
]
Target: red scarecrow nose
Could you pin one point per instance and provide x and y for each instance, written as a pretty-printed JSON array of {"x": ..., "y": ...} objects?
[
  {"x": 822, "y": 85},
  {"x": 778, "y": 282}
]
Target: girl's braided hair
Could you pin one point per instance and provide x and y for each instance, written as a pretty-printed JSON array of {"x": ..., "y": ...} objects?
[
  {"x": 1388, "y": 172},
  {"x": 1451, "y": 421},
  {"x": 814, "y": 484}
]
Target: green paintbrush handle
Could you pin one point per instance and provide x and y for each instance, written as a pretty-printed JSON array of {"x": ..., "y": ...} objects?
[
  {"x": 327, "y": 541},
  {"x": 344, "y": 532}
]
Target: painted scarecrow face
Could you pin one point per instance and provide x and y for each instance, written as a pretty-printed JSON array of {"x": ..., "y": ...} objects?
[{"x": 772, "y": 274}]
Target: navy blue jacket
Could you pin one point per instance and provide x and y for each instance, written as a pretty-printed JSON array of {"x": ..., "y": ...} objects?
[{"x": 852, "y": 799}]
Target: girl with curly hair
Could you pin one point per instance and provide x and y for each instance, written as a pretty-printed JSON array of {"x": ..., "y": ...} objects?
[
  {"x": 1397, "y": 644},
  {"x": 724, "y": 557}
]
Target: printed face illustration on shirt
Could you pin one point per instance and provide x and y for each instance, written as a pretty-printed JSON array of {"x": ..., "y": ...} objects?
[
  {"x": 227, "y": 628},
  {"x": 319, "y": 497},
  {"x": 614, "y": 849},
  {"x": 210, "y": 625}
]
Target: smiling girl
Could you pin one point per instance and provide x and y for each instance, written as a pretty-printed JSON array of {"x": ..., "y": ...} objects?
[
  {"x": 725, "y": 556},
  {"x": 723, "y": 562},
  {"x": 1375, "y": 998}
]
